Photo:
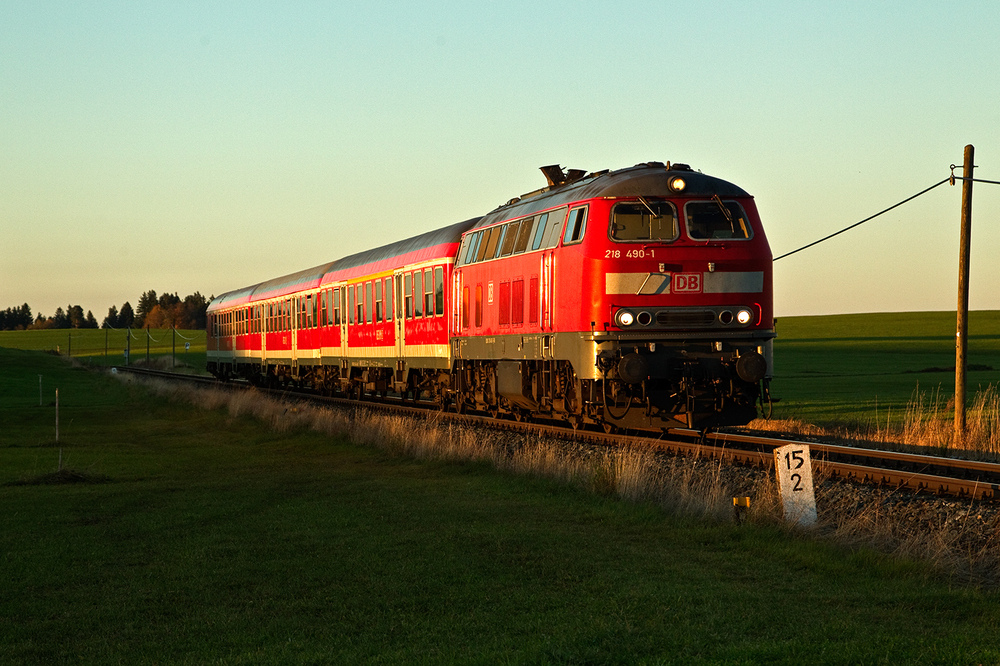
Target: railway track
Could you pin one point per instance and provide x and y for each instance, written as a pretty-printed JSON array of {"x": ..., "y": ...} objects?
[{"x": 918, "y": 473}]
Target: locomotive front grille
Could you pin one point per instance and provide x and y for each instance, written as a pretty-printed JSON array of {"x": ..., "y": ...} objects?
[{"x": 686, "y": 318}]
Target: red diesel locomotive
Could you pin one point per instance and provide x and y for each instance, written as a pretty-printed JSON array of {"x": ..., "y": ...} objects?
[{"x": 636, "y": 298}]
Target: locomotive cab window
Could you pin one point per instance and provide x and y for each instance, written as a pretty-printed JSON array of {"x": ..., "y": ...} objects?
[
  {"x": 716, "y": 220},
  {"x": 576, "y": 226},
  {"x": 644, "y": 221}
]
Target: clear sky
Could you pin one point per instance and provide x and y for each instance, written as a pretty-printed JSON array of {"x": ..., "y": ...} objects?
[{"x": 206, "y": 146}]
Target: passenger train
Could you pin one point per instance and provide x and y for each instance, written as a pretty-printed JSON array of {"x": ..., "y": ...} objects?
[{"x": 635, "y": 298}]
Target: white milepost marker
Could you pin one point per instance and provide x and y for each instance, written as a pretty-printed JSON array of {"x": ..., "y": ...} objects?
[{"x": 795, "y": 484}]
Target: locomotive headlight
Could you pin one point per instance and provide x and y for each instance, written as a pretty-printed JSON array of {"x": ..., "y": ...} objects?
[
  {"x": 624, "y": 318},
  {"x": 744, "y": 316},
  {"x": 676, "y": 184}
]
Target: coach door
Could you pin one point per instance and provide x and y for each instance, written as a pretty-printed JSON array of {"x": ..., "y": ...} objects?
[{"x": 399, "y": 320}]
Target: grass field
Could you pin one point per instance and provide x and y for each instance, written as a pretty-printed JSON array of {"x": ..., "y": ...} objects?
[
  {"x": 861, "y": 369},
  {"x": 106, "y": 347},
  {"x": 196, "y": 536}
]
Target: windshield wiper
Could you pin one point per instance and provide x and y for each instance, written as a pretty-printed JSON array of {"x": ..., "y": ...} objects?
[
  {"x": 726, "y": 212},
  {"x": 655, "y": 215}
]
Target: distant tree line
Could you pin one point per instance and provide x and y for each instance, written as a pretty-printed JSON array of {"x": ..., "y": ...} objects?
[{"x": 164, "y": 311}]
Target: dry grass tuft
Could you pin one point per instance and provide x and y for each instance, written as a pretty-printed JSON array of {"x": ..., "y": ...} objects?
[{"x": 928, "y": 424}]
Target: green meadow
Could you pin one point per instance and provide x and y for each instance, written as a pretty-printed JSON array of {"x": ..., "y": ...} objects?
[
  {"x": 107, "y": 347},
  {"x": 179, "y": 534},
  {"x": 865, "y": 368}
]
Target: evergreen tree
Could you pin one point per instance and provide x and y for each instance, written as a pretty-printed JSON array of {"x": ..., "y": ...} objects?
[
  {"x": 126, "y": 318},
  {"x": 60, "y": 320},
  {"x": 91, "y": 321},
  {"x": 147, "y": 302},
  {"x": 111, "y": 321},
  {"x": 74, "y": 313}
]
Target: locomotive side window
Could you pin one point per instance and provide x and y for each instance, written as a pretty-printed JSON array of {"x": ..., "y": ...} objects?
[
  {"x": 489, "y": 245},
  {"x": 474, "y": 248},
  {"x": 576, "y": 227},
  {"x": 708, "y": 220},
  {"x": 556, "y": 219},
  {"x": 524, "y": 235},
  {"x": 539, "y": 231},
  {"x": 644, "y": 221},
  {"x": 509, "y": 238},
  {"x": 482, "y": 244}
]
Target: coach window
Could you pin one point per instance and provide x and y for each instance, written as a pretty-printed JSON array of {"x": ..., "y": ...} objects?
[
  {"x": 418, "y": 293},
  {"x": 379, "y": 313},
  {"x": 388, "y": 299},
  {"x": 428, "y": 292},
  {"x": 361, "y": 303},
  {"x": 368, "y": 302},
  {"x": 708, "y": 220},
  {"x": 439, "y": 291},
  {"x": 336, "y": 306},
  {"x": 408, "y": 295},
  {"x": 351, "y": 310},
  {"x": 576, "y": 226}
]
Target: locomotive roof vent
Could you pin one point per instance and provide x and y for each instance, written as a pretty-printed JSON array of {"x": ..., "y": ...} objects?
[{"x": 555, "y": 175}]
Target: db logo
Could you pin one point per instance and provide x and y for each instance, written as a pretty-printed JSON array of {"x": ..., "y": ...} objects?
[{"x": 686, "y": 283}]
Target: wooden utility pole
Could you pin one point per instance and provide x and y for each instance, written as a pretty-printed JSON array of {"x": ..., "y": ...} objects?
[{"x": 962, "y": 332}]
